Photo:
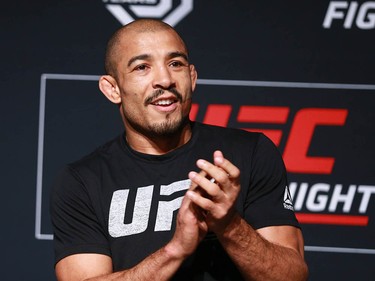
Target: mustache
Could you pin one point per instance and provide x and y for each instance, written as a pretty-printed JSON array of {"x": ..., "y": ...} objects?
[{"x": 157, "y": 93}]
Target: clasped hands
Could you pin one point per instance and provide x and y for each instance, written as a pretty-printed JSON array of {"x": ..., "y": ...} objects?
[{"x": 209, "y": 204}]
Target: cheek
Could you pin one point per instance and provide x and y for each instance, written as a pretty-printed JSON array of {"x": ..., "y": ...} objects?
[
  {"x": 131, "y": 105},
  {"x": 132, "y": 96}
]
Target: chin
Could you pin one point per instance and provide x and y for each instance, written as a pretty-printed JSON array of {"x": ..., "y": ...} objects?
[{"x": 168, "y": 127}]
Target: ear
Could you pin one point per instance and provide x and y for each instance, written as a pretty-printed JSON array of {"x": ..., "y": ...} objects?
[
  {"x": 193, "y": 76},
  {"x": 108, "y": 86}
]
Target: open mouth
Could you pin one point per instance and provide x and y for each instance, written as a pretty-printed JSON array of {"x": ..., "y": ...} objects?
[{"x": 164, "y": 102}]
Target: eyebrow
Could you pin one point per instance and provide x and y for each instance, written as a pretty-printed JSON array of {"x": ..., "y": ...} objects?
[
  {"x": 178, "y": 54},
  {"x": 140, "y": 57},
  {"x": 170, "y": 55}
]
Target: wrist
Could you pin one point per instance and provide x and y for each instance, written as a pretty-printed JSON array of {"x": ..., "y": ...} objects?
[
  {"x": 233, "y": 228},
  {"x": 174, "y": 252}
]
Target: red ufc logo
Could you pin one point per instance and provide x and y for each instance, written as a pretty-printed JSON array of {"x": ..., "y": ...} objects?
[{"x": 299, "y": 138}]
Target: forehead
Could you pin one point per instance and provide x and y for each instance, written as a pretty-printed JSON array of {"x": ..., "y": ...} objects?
[{"x": 134, "y": 43}]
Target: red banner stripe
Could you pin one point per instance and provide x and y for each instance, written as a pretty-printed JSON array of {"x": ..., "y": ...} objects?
[
  {"x": 305, "y": 218},
  {"x": 263, "y": 114}
]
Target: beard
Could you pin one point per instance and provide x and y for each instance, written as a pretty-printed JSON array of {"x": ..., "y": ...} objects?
[
  {"x": 160, "y": 130},
  {"x": 167, "y": 128},
  {"x": 171, "y": 126}
]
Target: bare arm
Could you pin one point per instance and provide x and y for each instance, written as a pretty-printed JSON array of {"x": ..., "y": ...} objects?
[
  {"x": 190, "y": 230},
  {"x": 271, "y": 253},
  {"x": 95, "y": 267}
]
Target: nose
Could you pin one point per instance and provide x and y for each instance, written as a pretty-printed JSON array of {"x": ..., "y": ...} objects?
[{"x": 163, "y": 78}]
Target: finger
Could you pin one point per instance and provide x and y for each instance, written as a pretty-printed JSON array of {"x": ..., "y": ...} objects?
[
  {"x": 194, "y": 185},
  {"x": 218, "y": 173},
  {"x": 207, "y": 188},
  {"x": 202, "y": 202},
  {"x": 233, "y": 173},
  {"x": 191, "y": 211},
  {"x": 198, "y": 211},
  {"x": 185, "y": 204}
]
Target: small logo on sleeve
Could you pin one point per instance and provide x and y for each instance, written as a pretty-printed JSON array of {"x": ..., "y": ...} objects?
[{"x": 288, "y": 201}]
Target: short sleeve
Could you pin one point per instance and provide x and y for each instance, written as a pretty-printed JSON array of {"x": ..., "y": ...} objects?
[
  {"x": 265, "y": 203},
  {"x": 74, "y": 220}
]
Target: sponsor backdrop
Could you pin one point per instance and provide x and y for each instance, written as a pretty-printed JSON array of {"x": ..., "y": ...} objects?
[{"x": 302, "y": 72}]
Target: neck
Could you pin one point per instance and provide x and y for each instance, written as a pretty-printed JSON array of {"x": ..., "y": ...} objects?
[{"x": 157, "y": 145}]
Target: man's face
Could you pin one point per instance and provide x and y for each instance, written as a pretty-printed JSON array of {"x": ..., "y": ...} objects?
[{"x": 155, "y": 82}]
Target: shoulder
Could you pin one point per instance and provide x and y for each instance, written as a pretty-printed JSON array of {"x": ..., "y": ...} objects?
[
  {"x": 225, "y": 136},
  {"x": 226, "y": 132},
  {"x": 238, "y": 145},
  {"x": 101, "y": 154},
  {"x": 74, "y": 178}
]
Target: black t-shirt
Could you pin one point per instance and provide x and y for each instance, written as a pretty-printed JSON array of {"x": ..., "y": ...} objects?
[{"x": 123, "y": 203}]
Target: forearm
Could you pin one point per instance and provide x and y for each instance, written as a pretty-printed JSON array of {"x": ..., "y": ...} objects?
[
  {"x": 259, "y": 259},
  {"x": 163, "y": 263}
]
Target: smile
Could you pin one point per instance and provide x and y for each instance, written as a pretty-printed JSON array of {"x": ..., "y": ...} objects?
[
  {"x": 164, "y": 102},
  {"x": 165, "y": 105}
]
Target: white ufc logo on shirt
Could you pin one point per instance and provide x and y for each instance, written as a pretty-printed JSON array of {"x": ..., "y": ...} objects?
[{"x": 141, "y": 212}]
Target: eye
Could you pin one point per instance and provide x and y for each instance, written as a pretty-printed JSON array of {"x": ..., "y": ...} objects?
[
  {"x": 176, "y": 64},
  {"x": 141, "y": 67}
]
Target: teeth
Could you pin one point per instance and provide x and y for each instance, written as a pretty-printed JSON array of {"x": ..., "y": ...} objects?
[{"x": 164, "y": 102}]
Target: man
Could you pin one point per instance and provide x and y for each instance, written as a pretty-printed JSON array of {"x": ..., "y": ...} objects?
[{"x": 114, "y": 211}]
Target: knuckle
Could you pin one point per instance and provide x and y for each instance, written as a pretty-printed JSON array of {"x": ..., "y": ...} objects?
[
  {"x": 222, "y": 177},
  {"x": 235, "y": 173}
]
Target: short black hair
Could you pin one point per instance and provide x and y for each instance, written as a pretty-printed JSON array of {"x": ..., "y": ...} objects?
[{"x": 140, "y": 25}]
